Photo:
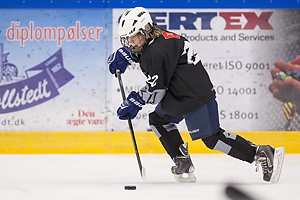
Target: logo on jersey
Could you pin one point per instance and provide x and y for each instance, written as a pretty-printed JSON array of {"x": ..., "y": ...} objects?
[{"x": 170, "y": 35}]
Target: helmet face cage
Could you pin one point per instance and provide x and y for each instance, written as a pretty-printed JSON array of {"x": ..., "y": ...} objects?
[{"x": 124, "y": 41}]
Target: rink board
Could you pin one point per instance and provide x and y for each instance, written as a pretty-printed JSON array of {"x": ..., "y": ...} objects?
[{"x": 121, "y": 142}]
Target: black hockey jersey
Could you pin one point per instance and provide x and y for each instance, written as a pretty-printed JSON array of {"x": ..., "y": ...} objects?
[{"x": 175, "y": 75}]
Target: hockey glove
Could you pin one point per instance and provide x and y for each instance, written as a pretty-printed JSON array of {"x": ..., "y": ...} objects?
[
  {"x": 120, "y": 59},
  {"x": 132, "y": 105}
]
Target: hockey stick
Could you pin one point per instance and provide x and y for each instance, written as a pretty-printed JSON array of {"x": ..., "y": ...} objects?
[
  {"x": 142, "y": 169},
  {"x": 235, "y": 193}
]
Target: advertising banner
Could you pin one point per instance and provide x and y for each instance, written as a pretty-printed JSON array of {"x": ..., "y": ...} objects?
[
  {"x": 54, "y": 76},
  {"x": 239, "y": 49},
  {"x": 53, "y": 69}
]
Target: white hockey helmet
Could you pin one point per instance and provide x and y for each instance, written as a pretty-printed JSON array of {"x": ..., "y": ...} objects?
[{"x": 132, "y": 22}]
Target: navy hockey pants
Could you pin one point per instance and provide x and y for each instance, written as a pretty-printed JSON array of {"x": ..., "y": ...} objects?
[{"x": 201, "y": 123}]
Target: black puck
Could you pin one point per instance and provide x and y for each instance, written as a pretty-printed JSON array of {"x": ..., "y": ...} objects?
[{"x": 130, "y": 187}]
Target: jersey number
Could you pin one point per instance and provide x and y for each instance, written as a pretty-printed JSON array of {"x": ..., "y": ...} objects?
[{"x": 152, "y": 80}]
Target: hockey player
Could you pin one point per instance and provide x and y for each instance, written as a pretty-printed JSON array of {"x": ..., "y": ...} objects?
[{"x": 180, "y": 86}]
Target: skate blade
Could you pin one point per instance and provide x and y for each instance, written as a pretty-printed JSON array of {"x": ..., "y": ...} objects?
[
  {"x": 278, "y": 162},
  {"x": 185, "y": 178}
]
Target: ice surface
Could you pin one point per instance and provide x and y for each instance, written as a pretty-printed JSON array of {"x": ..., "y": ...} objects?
[{"x": 101, "y": 177}]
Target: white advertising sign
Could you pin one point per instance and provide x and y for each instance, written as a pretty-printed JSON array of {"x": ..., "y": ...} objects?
[{"x": 238, "y": 48}]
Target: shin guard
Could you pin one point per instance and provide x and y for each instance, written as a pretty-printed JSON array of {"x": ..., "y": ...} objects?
[
  {"x": 231, "y": 144},
  {"x": 167, "y": 133}
]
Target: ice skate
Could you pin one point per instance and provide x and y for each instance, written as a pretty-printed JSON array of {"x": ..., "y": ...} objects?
[
  {"x": 184, "y": 168},
  {"x": 271, "y": 161},
  {"x": 278, "y": 162}
]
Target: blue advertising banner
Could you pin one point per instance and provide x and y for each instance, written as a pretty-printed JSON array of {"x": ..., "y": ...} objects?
[
  {"x": 258, "y": 4},
  {"x": 33, "y": 90}
]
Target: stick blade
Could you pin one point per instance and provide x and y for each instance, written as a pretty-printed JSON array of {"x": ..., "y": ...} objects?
[
  {"x": 143, "y": 173},
  {"x": 235, "y": 193}
]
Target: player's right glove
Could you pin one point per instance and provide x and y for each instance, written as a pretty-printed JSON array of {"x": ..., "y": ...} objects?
[
  {"x": 132, "y": 105},
  {"x": 120, "y": 59}
]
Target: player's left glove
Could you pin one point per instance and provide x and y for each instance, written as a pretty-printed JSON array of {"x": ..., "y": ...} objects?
[
  {"x": 120, "y": 59},
  {"x": 132, "y": 105}
]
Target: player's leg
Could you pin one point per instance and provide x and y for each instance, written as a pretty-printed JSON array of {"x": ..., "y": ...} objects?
[
  {"x": 167, "y": 133},
  {"x": 203, "y": 123},
  {"x": 164, "y": 126},
  {"x": 231, "y": 144},
  {"x": 268, "y": 157}
]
